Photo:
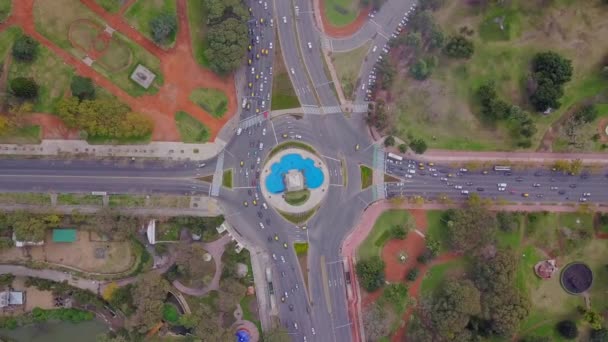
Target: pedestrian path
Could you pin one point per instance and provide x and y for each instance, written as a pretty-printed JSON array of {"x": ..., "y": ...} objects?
[
  {"x": 332, "y": 110},
  {"x": 165, "y": 150},
  {"x": 360, "y": 108},
  {"x": 314, "y": 110},
  {"x": 379, "y": 166},
  {"x": 251, "y": 121},
  {"x": 218, "y": 175}
]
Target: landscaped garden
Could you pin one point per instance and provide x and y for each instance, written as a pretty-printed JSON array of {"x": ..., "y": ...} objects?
[
  {"x": 341, "y": 12},
  {"x": 297, "y": 197},
  {"x": 190, "y": 129},
  {"x": 155, "y": 19},
  {"x": 391, "y": 223},
  {"x": 283, "y": 94},
  {"x": 213, "y": 101},
  {"x": 348, "y": 64},
  {"x": 367, "y": 176}
]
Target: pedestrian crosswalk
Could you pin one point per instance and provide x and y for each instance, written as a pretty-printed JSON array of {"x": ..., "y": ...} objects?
[
  {"x": 251, "y": 121},
  {"x": 314, "y": 110},
  {"x": 360, "y": 108},
  {"x": 326, "y": 43},
  {"x": 332, "y": 110},
  {"x": 218, "y": 175}
]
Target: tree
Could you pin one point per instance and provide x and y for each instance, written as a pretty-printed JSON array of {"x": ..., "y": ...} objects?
[
  {"x": 208, "y": 325},
  {"x": 420, "y": 70},
  {"x": 148, "y": 295},
  {"x": 508, "y": 222},
  {"x": 190, "y": 261},
  {"x": 459, "y": 47},
  {"x": 231, "y": 292},
  {"x": 135, "y": 125},
  {"x": 398, "y": 232},
  {"x": 188, "y": 321},
  {"x": 600, "y": 335},
  {"x": 418, "y": 145},
  {"x": 29, "y": 229},
  {"x": 431, "y": 4},
  {"x": 413, "y": 39},
  {"x": 535, "y": 339},
  {"x": 371, "y": 273},
  {"x": 594, "y": 319},
  {"x": 470, "y": 228},
  {"x": 389, "y": 141},
  {"x": 25, "y": 48},
  {"x": 567, "y": 329},
  {"x": 436, "y": 38},
  {"x": 586, "y": 114},
  {"x": 163, "y": 27},
  {"x": 402, "y": 148},
  {"x": 24, "y": 88},
  {"x": 377, "y": 322},
  {"x": 82, "y": 88},
  {"x": 552, "y": 66},
  {"x": 453, "y": 307},
  {"x": 423, "y": 22},
  {"x": 227, "y": 43},
  {"x": 413, "y": 274}
]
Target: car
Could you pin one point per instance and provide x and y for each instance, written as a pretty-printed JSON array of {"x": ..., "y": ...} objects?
[
  {"x": 286, "y": 294},
  {"x": 250, "y": 85},
  {"x": 407, "y": 175},
  {"x": 572, "y": 186},
  {"x": 304, "y": 227},
  {"x": 282, "y": 299},
  {"x": 519, "y": 179},
  {"x": 465, "y": 192},
  {"x": 282, "y": 259},
  {"x": 264, "y": 205},
  {"x": 525, "y": 194},
  {"x": 249, "y": 62},
  {"x": 313, "y": 331},
  {"x": 374, "y": 48},
  {"x": 293, "y": 72},
  {"x": 463, "y": 169},
  {"x": 561, "y": 192},
  {"x": 298, "y": 136},
  {"x": 254, "y": 202},
  {"x": 290, "y": 307},
  {"x": 443, "y": 179},
  {"x": 309, "y": 45},
  {"x": 502, "y": 185},
  {"x": 357, "y": 147},
  {"x": 249, "y": 47},
  {"x": 260, "y": 214},
  {"x": 540, "y": 195},
  {"x": 536, "y": 185},
  {"x": 245, "y": 204},
  {"x": 242, "y": 163},
  {"x": 284, "y": 135},
  {"x": 261, "y": 225},
  {"x": 264, "y": 131},
  {"x": 276, "y": 237},
  {"x": 258, "y": 161},
  {"x": 586, "y": 194},
  {"x": 458, "y": 187},
  {"x": 553, "y": 188},
  {"x": 274, "y": 256},
  {"x": 469, "y": 183},
  {"x": 284, "y": 20},
  {"x": 285, "y": 245},
  {"x": 484, "y": 172},
  {"x": 480, "y": 189},
  {"x": 261, "y": 146},
  {"x": 270, "y": 46},
  {"x": 583, "y": 199},
  {"x": 502, "y": 189}
]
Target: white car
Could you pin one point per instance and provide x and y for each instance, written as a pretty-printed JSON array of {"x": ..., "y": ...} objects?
[
  {"x": 298, "y": 136},
  {"x": 258, "y": 161},
  {"x": 309, "y": 45},
  {"x": 282, "y": 259},
  {"x": 443, "y": 179},
  {"x": 412, "y": 171},
  {"x": 270, "y": 46},
  {"x": 239, "y": 131},
  {"x": 458, "y": 187},
  {"x": 408, "y": 176},
  {"x": 264, "y": 206},
  {"x": 261, "y": 225},
  {"x": 463, "y": 170},
  {"x": 374, "y": 48},
  {"x": 465, "y": 192},
  {"x": 274, "y": 256},
  {"x": 502, "y": 185},
  {"x": 293, "y": 72},
  {"x": 586, "y": 194},
  {"x": 284, "y": 20},
  {"x": 264, "y": 131}
]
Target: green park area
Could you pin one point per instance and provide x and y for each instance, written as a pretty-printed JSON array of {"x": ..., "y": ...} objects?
[
  {"x": 227, "y": 179},
  {"x": 341, "y": 12},
  {"x": 386, "y": 227},
  {"x": 367, "y": 176},
  {"x": 297, "y": 197},
  {"x": 283, "y": 94},
  {"x": 72, "y": 26},
  {"x": 112, "y": 6},
  {"x": 348, "y": 64},
  {"x": 190, "y": 129},
  {"x": 537, "y": 308},
  {"x": 213, "y": 101},
  {"x": 154, "y": 16},
  {"x": 445, "y": 108},
  {"x": 5, "y": 9},
  {"x": 197, "y": 22}
]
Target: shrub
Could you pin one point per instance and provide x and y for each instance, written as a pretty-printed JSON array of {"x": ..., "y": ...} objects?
[
  {"x": 418, "y": 145},
  {"x": 82, "y": 88},
  {"x": 600, "y": 335},
  {"x": 398, "y": 232},
  {"x": 412, "y": 274},
  {"x": 459, "y": 47},
  {"x": 24, "y": 88},
  {"x": 567, "y": 329},
  {"x": 371, "y": 273},
  {"x": 420, "y": 70},
  {"x": 402, "y": 148},
  {"x": 163, "y": 27},
  {"x": 25, "y": 49},
  {"x": 389, "y": 141}
]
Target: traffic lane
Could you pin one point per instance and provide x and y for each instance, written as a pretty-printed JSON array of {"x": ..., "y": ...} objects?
[
  {"x": 115, "y": 185},
  {"x": 321, "y": 318}
]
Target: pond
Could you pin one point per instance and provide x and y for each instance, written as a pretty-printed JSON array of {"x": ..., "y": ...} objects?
[
  {"x": 56, "y": 332},
  {"x": 313, "y": 176}
]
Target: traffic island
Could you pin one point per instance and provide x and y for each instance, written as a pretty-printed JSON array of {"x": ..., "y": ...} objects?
[
  {"x": 301, "y": 249},
  {"x": 367, "y": 176},
  {"x": 294, "y": 181}
]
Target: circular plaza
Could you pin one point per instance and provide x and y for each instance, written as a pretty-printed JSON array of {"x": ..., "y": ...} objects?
[{"x": 294, "y": 180}]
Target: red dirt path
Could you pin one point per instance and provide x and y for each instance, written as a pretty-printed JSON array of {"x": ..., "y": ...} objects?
[
  {"x": 52, "y": 126},
  {"x": 180, "y": 71},
  {"x": 342, "y": 31}
]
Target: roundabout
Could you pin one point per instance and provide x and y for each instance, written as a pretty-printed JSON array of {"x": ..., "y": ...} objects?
[{"x": 294, "y": 180}]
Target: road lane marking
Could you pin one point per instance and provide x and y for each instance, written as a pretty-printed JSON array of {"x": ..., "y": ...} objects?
[{"x": 325, "y": 284}]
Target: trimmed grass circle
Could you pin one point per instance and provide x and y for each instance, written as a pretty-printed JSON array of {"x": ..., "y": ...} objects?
[
  {"x": 297, "y": 197},
  {"x": 576, "y": 278}
]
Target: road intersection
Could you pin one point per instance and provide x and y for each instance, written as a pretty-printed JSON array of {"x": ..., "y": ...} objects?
[{"x": 316, "y": 311}]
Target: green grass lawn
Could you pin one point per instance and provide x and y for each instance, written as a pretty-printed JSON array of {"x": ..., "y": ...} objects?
[
  {"x": 301, "y": 248},
  {"x": 213, "y": 101},
  {"x": 5, "y": 9},
  {"x": 53, "y": 19},
  {"x": 341, "y": 12},
  {"x": 436, "y": 275},
  {"x": 283, "y": 94},
  {"x": 79, "y": 199},
  {"x": 51, "y": 74},
  {"x": 127, "y": 201},
  {"x": 141, "y": 13},
  {"x": 190, "y": 129},
  {"x": 436, "y": 229},
  {"x": 167, "y": 232},
  {"x": 373, "y": 243},
  {"x": 297, "y": 197},
  {"x": 367, "y": 176},
  {"x": 112, "y": 6},
  {"x": 227, "y": 179},
  {"x": 29, "y": 134},
  {"x": 443, "y": 108},
  {"x": 348, "y": 64},
  {"x": 586, "y": 133},
  {"x": 197, "y": 21}
]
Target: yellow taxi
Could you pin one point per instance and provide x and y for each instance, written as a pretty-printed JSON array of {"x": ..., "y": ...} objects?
[
  {"x": 242, "y": 163},
  {"x": 285, "y": 135},
  {"x": 525, "y": 194},
  {"x": 254, "y": 202},
  {"x": 249, "y": 61},
  {"x": 250, "y": 85}
]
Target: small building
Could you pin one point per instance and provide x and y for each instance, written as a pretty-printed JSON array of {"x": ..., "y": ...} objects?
[
  {"x": 294, "y": 180},
  {"x": 545, "y": 269},
  {"x": 143, "y": 76},
  {"x": 10, "y": 298},
  {"x": 64, "y": 235},
  {"x": 19, "y": 243}
]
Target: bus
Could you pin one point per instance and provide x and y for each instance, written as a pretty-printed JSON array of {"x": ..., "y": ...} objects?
[
  {"x": 395, "y": 156},
  {"x": 502, "y": 168}
]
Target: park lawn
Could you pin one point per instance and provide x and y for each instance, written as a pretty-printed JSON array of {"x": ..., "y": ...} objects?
[
  {"x": 450, "y": 118},
  {"x": 586, "y": 133},
  {"x": 348, "y": 64},
  {"x": 79, "y": 199},
  {"x": 141, "y": 13},
  {"x": 7, "y": 38},
  {"x": 29, "y": 134},
  {"x": 25, "y": 198},
  {"x": 167, "y": 232},
  {"x": 341, "y": 12},
  {"x": 378, "y": 236},
  {"x": 283, "y": 94},
  {"x": 213, "y": 101},
  {"x": 190, "y": 129},
  {"x": 296, "y": 198},
  {"x": 436, "y": 275},
  {"x": 367, "y": 176},
  {"x": 436, "y": 229},
  {"x": 112, "y": 6},
  {"x": 51, "y": 74},
  {"x": 127, "y": 201},
  {"x": 5, "y": 9},
  {"x": 227, "y": 179},
  {"x": 53, "y": 19},
  {"x": 197, "y": 22}
]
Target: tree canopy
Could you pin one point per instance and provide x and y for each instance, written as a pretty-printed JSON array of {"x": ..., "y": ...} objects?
[
  {"x": 470, "y": 228},
  {"x": 550, "y": 72},
  {"x": 454, "y": 306},
  {"x": 371, "y": 273},
  {"x": 459, "y": 47},
  {"x": 148, "y": 295},
  {"x": 25, "y": 48},
  {"x": 83, "y": 88},
  {"x": 163, "y": 27},
  {"x": 25, "y": 88}
]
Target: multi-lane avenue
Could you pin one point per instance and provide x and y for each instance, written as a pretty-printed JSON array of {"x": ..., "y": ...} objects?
[{"x": 318, "y": 310}]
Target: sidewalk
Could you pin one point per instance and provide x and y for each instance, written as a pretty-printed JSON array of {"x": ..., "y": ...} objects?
[
  {"x": 535, "y": 157},
  {"x": 170, "y": 150}
]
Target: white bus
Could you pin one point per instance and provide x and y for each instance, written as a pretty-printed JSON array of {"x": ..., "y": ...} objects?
[
  {"x": 395, "y": 156},
  {"x": 502, "y": 168}
]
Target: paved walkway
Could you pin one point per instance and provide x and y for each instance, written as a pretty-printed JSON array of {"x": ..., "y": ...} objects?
[
  {"x": 212, "y": 209},
  {"x": 216, "y": 249},
  {"x": 58, "y": 276},
  {"x": 165, "y": 150}
]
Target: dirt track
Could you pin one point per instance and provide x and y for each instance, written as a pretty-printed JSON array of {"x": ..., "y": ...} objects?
[{"x": 180, "y": 71}]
